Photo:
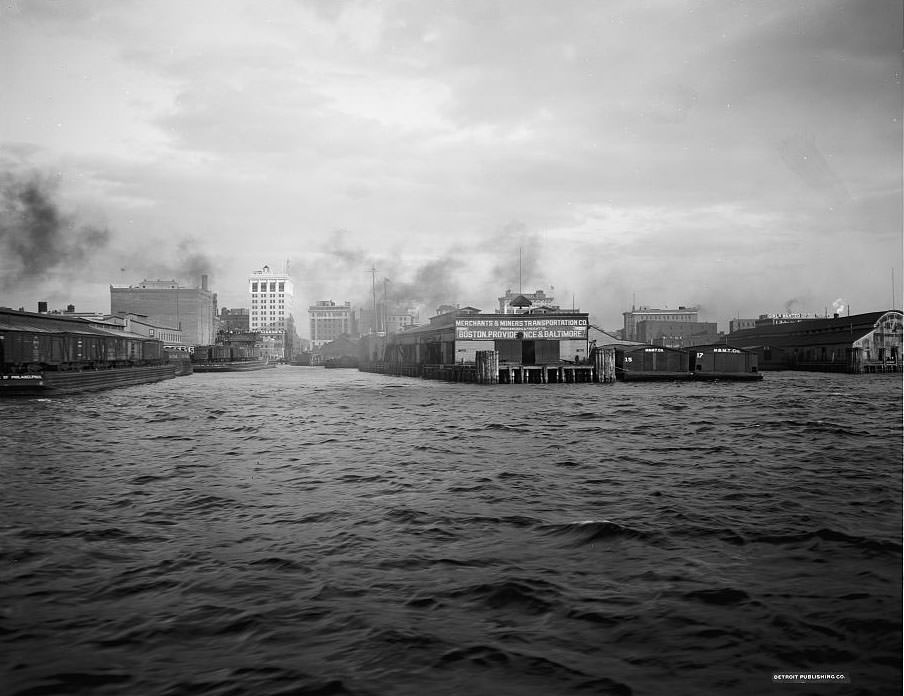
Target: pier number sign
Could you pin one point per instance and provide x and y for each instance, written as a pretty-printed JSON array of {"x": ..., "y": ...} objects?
[{"x": 477, "y": 328}]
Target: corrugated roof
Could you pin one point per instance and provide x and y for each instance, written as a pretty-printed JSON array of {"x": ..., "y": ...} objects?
[
  {"x": 809, "y": 332},
  {"x": 604, "y": 338},
  {"x": 12, "y": 320}
]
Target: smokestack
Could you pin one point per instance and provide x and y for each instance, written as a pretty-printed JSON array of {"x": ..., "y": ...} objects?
[
  {"x": 42, "y": 307},
  {"x": 204, "y": 282}
]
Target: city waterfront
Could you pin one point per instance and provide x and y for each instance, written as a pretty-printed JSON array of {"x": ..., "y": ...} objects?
[{"x": 309, "y": 531}]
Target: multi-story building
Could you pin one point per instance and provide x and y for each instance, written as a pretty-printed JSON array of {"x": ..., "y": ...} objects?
[
  {"x": 329, "y": 321},
  {"x": 272, "y": 297},
  {"x": 235, "y": 320},
  {"x": 676, "y": 334},
  {"x": 398, "y": 320},
  {"x": 783, "y": 318},
  {"x": 192, "y": 311},
  {"x": 519, "y": 302},
  {"x": 637, "y": 315},
  {"x": 739, "y": 324}
]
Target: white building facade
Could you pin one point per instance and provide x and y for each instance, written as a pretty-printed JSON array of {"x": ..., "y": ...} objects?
[{"x": 272, "y": 304}]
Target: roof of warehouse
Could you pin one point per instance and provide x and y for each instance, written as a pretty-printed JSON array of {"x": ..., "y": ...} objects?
[
  {"x": 809, "y": 332},
  {"x": 11, "y": 320}
]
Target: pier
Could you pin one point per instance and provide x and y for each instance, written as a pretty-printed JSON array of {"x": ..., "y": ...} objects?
[{"x": 487, "y": 369}]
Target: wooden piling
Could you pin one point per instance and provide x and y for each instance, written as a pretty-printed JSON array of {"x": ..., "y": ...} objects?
[
  {"x": 487, "y": 363},
  {"x": 604, "y": 365}
]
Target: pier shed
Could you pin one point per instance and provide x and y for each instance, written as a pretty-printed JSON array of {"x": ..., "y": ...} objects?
[
  {"x": 644, "y": 362},
  {"x": 466, "y": 345},
  {"x": 870, "y": 342},
  {"x": 720, "y": 361}
]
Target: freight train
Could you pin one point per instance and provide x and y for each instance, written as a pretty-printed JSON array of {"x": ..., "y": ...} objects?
[
  {"x": 59, "y": 354},
  {"x": 224, "y": 353}
]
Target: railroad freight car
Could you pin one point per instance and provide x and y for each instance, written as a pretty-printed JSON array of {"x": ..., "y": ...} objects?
[
  {"x": 41, "y": 353},
  {"x": 30, "y": 351}
]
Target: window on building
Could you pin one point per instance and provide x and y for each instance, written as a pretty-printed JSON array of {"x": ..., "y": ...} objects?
[
  {"x": 253, "y": 287},
  {"x": 282, "y": 287}
]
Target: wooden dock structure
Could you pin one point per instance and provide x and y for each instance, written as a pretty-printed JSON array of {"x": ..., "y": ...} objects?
[{"x": 487, "y": 369}]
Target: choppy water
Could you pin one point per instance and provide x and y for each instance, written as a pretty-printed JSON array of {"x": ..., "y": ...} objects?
[{"x": 310, "y": 531}]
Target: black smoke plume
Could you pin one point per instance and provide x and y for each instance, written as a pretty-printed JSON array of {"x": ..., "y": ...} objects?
[
  {"x": 36, "y": 237},
  {"x": 185, "y": 263}
]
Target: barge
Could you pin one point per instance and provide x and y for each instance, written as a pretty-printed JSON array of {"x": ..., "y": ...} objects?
[
  {"x": 52, "y": 383},
  {"x": 238, "y": 353},
  {"x": 50, "y": 354},
  {"x": 233, "y": 365},
  {"x": 646, "y": 363}
]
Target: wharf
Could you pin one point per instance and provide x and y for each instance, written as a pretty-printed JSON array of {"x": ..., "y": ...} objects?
[{"x": 488, "y": 370}]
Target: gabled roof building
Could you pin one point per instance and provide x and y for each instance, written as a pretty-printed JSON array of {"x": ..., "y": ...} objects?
[{"x": 869, "y": 342}]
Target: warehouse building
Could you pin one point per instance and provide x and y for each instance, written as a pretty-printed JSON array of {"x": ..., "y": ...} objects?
[
  {"x": 641, "y": 314},
  {"x": 191, "y": 311},
  {"x": 869, "y": 342},
  {"x": 466, "y": 345}
]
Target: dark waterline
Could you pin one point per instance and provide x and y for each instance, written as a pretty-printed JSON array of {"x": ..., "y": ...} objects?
[{"x": 310, "y": 531}]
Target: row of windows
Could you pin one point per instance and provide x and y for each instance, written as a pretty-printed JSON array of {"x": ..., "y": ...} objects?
[
  {"x": 165, "y": 336},
  {"x": 273, "y": 286}
]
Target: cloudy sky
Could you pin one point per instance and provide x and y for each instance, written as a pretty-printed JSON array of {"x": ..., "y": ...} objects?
[{"x": 743, "y": 156}]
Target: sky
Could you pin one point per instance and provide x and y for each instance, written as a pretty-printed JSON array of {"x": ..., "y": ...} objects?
[{"x": 744, "y": 157}]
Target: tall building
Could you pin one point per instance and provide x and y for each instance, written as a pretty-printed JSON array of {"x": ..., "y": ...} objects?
[
  {"x": 272, "y": 304},
  {"x": 637, "y": 315},
  {"x": 166, "y": 303},
  {"x": 329, "y": 321}
]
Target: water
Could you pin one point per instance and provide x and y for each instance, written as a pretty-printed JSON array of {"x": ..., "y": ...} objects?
[{"x": 310, "y": 531}]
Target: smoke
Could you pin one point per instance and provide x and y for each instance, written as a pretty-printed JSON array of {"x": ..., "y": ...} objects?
[
  {"x": 36, "y": 237},
  {"x": 838, "y": 306},
  {"x": 190, "y": 263},
  {"x": 184, "y": 263},
  {"x": 338, "y": 248},
  {"x": 432, "y": 284},
  {"x": 790, "y": 304},
  {"x": 340, "y": 269}
]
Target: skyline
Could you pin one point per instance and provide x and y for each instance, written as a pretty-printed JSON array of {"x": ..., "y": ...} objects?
[{"x": 738, "y": 157}]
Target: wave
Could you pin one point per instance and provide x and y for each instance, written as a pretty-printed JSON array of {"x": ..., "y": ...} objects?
[
  {"x": 825, "y": 534},
  {"x": 594, "y": 531}
]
